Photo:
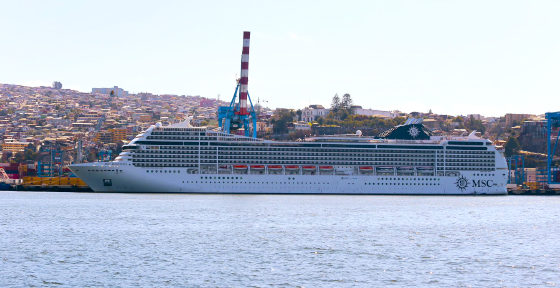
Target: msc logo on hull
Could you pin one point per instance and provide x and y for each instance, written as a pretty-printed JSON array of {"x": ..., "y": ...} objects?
[
  {"x": 462, "y": 183},
  {"x": 483, "y": 183}
]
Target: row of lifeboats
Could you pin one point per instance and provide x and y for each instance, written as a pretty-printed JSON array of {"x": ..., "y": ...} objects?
[
  {"x": 400, "y": 168},
  {"x": 323, "y": 168},
  {"x": 279, "y": 167}
]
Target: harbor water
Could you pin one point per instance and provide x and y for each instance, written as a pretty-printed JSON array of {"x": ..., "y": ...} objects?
[{"x": 179, "y": 240}]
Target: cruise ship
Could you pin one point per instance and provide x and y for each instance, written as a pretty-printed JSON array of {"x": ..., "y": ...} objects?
[{"x": 406, "y": 159}]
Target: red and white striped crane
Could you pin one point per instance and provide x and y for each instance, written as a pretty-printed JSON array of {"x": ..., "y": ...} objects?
[
  {"x": 244, "y": 74},
  {"x": 234, "y": 117}
]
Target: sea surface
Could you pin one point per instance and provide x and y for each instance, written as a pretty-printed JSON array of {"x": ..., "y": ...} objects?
[{"x": 178, "y": 240}]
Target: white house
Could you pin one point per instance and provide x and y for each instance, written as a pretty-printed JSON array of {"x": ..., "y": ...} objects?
[
  {"x": 311, "y": 113},
  {"x": 119, "y": 92},
  {"x": 358, "y": 110}
]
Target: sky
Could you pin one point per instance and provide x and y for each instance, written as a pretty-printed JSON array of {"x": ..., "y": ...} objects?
[{"x": 453, "y": 57}]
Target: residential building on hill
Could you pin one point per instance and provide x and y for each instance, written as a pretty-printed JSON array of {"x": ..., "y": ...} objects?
[
  {"x": 311, "y": 113},
  {"x": 107, "y": 91},
  {"x": 358, "y": 110},
  {"x": 14, "y": 146},
  {"x": 511, "y": 118}
]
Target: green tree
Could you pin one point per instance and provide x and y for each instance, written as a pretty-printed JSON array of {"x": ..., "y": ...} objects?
[
  {"x": 458, "y": 119},
  {"x": 335, "y": 103},
  {"x": 346, "y": 102},
  {"x": 30, "y": 154},
  {"x": 343, "y": 114},
  {"x": 281, "y": 119},
  {"x": 300, "y": 134},
  {"x": 474, "y": 124},
  {"x": 18, "y": 157},
  {"x": 512, "y": 146},
  {"x": 299, "y": 112},
  {"x": 57, "y": 85}
]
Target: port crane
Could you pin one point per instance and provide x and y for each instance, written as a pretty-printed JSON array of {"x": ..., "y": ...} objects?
[
  {"x": 238, "y": 115},
  {"x": 552, "y": 122}
]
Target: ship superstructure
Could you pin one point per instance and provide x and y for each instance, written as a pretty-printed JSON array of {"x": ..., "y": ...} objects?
[{"x": 181, "y": 158}]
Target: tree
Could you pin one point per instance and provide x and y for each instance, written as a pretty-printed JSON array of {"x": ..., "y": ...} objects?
[
  {"x": 512, "y": 146},
  {"x": 30, "y": 152},
  {"x": 57, "y": 85},
  {"x": 335, "y": 104},
  {"x": 299, "y": 112},
  {"x": 300, "y": 134},
  {"x": 343, "y": 114},
  {"x": 346, "y": 102},
  {"x": 282, "y": 118},
  {"x": 474, "y": 124},
  {"x": 18, "y": 158},
  {"x": 458, "y": 119}
]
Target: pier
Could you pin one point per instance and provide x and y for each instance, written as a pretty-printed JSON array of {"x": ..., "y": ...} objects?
[
  {"x": 68, "y": 184},
  {"x": 538, "y": 191}
]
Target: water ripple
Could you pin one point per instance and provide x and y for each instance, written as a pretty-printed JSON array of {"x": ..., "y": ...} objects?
[{"x": 92, "y": 239}]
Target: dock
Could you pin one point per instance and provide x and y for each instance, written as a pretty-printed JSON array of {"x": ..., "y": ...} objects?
[
  {"x": 52, "y": 184},
  {"x": 533, "y": 191}
]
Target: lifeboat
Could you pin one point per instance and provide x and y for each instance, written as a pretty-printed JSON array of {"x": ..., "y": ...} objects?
[
  {"x": 240, "y": 167},
  {"x": 309, "y": 168},
  {"x": 366, "y": 168},
  {"x": 326, "y": 168},
  {"x": 405, "y": 168},
  {"x": 223, "y": 167},
  {"x": 274, "y": 167},
  {"x": 292, "y": 167},
  {"x": 425, "y": 168},
  {"x": 385, "y": 168},
  {"x": 257, "y": 167}
]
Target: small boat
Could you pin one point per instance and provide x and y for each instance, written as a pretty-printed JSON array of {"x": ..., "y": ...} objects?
[
  {"x": 240, "y": 167},
  {"x": 274, "y": 167},
  {"x": 326, "y": 168},
  {"x": 425, "y": 168},
  {"x": 257, "y": 167},
  {"x": 405, "y": 168},
  {"x": 292, "y": 167},
  {"x": 309, "y": 168},
  {"x": 384, "y": 168}
]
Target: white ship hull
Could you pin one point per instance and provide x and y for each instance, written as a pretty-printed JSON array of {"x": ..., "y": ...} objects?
[
  {"x": 184, "y": 159},
  {"x": 110, "y": 177}
]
